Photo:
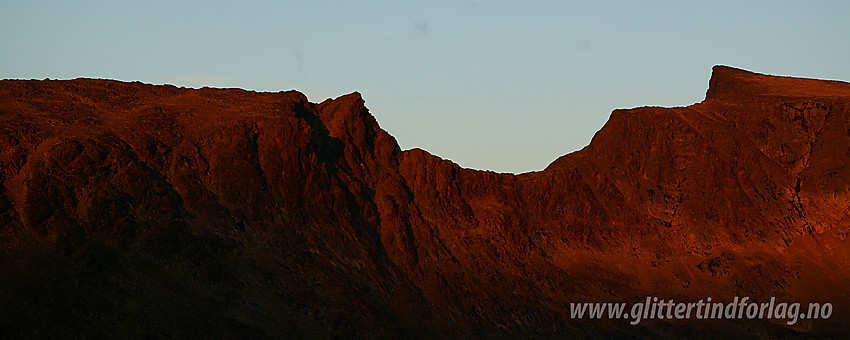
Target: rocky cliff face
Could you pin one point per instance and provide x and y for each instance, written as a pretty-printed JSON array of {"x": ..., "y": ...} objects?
[{"x": 133, "y": 210}]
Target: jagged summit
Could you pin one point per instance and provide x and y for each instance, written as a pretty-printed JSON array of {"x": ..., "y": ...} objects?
[{"x": 729, "y": 81}]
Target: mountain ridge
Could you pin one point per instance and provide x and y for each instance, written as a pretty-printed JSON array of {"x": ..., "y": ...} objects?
[{"x": 276, "y": 217}]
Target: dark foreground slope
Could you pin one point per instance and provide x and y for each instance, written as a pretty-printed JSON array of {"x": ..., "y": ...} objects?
[{"x": 141, "y": 211}]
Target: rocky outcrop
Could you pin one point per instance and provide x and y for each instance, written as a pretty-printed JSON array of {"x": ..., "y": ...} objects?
[{"x": 135, "y": 210}]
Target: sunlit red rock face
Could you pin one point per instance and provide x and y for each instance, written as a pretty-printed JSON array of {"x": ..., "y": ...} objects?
[{"x": 133, "y": 210}]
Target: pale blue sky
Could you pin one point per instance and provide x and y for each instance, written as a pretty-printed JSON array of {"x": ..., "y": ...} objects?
[{"x": 501, "y": 85}]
